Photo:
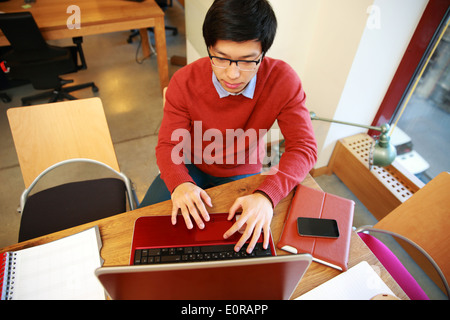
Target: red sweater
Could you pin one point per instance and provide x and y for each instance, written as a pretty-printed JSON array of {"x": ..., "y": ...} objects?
[{"x": 195, "y": 115}]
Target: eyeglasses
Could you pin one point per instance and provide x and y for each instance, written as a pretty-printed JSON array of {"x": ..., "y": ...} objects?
[{"x": 243, "y": 65}]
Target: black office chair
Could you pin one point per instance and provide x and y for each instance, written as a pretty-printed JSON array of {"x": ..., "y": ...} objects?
[
  {"x": 6, "y": 83},
  {"x": 3, "y": 85},
  {"x": 33, "y": 59},
  {"x": 4, "y": 97},
  {"x": 163, "y": 4}
]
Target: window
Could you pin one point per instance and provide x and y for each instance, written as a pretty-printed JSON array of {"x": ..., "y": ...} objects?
[{"x": 417, "y": 103}]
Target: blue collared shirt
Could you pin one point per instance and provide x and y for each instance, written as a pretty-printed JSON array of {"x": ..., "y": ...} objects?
[{"x": 247, "y": 92}]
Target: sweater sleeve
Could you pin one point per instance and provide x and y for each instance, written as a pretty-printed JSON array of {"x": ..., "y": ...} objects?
[
  {"x": 172, "y": 138},
  {"x": 300, "y": 145}
]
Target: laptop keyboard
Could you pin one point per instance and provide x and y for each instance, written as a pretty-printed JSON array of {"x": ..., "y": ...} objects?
[{"x": 193, "y": 254}]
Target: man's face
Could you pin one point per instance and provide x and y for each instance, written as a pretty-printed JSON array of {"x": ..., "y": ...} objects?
[{"x": 232, "y": 78}]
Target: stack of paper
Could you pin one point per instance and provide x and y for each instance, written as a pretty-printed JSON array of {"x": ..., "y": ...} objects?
[{"x": 360, "y": 282}]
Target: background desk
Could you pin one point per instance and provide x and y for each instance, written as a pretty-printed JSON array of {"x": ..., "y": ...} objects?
[
  {"x": 99, "y": 16},
  {"x": 117, "y": 232}
]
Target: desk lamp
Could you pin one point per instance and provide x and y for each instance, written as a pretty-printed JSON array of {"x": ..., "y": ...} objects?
[{"x": 383, "y": 153}]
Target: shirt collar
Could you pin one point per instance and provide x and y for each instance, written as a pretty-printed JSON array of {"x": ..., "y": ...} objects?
[{"x": 247, "y": 92}]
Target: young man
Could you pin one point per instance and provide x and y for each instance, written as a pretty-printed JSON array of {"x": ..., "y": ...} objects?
[{"x": 216, "y": 113}]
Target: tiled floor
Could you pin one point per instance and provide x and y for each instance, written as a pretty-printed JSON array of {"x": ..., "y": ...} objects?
[{"x": 131, "y": 97}]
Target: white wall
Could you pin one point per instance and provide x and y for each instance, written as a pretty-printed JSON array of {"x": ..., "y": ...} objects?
[
  {"x": 195, "y": 11},
  {"x": 380, "y": 51},
  {"x": 345, "y": 67}
]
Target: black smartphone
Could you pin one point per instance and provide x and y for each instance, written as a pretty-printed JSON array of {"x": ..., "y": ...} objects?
[{"x": 314, "y": 227}]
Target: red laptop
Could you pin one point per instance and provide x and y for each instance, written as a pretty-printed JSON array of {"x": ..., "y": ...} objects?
[
  {"x": 156, "y": 240},
  {"x": 173, "y": 262}
]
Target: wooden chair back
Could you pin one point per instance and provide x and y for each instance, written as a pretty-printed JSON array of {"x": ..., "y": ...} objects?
[
  {"x": 425, "y": 219},
  {"x": 49, "y": 133}
]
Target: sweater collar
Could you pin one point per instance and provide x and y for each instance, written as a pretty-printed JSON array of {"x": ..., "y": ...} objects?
[{"x": 248, "y": 91}]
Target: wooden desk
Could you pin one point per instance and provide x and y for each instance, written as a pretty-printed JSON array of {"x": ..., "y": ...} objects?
[
  {"x": 117, "y": 231},
  {"x": 99, "y": 16}
]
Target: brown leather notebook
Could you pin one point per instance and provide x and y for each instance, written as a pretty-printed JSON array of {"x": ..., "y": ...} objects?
[{"x": 312, "y": 203}]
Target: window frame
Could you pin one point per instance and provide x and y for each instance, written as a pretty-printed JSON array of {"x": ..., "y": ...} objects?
[{"x": 416, "y": 53}]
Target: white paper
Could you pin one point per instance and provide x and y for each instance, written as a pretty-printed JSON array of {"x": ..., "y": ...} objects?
[
  {"x": 360, "y": 282},
  {"x": 62, "y": 269}
]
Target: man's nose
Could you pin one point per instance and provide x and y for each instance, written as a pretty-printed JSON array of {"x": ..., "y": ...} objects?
[{"x": 233, "y": 71}]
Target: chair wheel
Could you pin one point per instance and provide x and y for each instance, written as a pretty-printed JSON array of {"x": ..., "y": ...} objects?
[
  {"x": 5, "y": 98},
  {"x": 94, "y": 89}
]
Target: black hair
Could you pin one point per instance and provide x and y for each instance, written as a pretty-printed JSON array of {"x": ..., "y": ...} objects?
[{"x": 239, "y": 21}]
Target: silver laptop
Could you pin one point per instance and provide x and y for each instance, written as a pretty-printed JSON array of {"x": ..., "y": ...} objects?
[{"x": 266, "y": 278}]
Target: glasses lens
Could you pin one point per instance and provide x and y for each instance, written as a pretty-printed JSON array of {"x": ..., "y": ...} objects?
[
  {"x": 247, "y": 66},
  {"x": 221, "y": 63}
]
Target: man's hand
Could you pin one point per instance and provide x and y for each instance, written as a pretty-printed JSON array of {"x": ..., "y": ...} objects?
[
  {"x": 257, "y": 213},
  {"x": 190, "y": 199}
]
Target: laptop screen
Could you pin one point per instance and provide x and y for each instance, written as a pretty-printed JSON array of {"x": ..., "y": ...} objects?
[{"x": 241, "y": 279}]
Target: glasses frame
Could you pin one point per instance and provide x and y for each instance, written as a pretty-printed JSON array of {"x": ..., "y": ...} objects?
[{"x": 257, "y": 62}]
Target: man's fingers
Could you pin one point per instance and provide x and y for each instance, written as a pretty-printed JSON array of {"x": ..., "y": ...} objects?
[
  {"x": 201, "y": 206},
  {"x": 235, "y": 227},
  {"x": 187, "y": 219},
  {"x": 194, "y": 213},
  {"x": 266, "y": 230},
  {"x": 174, "y": 214},
  {"x": 190, "y": 200},
  {"x": 236, "y": 205},
  {"x": 249, "y": 230},
  {"x": 256, "y": 234},
  {"x": 205, "y": 197}
]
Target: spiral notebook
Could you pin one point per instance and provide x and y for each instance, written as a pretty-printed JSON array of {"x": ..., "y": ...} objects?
[{"x": 62, "y": 270}]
